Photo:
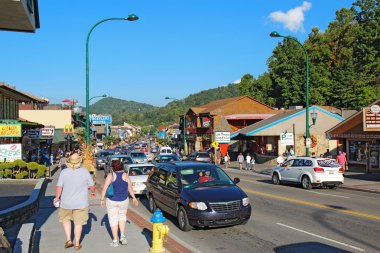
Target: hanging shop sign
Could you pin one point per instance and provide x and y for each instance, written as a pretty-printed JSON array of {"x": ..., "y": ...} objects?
[
  {"x": 371, "y": 118},
  {"x": 100, "y": 119},
  {"x": 10, "y": 130},
  {"x": 223, "y": 137},
  {"x": 34, "y": 133},
  {"x": 47, "y": 132},
  {"x": 10, "y": 152},
  {"x": 206, "y": 122},
  {"x": 286, "y": 139}
]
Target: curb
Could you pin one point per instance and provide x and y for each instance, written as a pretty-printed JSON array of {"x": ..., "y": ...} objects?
[{"x": 359, "y": 189}]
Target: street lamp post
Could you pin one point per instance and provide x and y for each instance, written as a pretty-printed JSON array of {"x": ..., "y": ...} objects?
[
  {"x": 102, "y": 96},
  {"x": 183, "y": 126},
  {"x": 131, "y": 17},
  {"x": 276, "y": 34}
]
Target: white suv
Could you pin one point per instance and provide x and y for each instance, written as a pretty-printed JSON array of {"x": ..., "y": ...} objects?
[{"x": 309, "y": 172}]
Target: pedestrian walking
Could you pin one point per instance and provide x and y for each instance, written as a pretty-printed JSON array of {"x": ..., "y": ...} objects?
[
  {"x": 280, "y": 159},
  {"x": 229, "y": 158},
  {"x": 342, "y": 160},
  {"x": 62, "y": 162},
  {"x": 117, "y": 205},
  {"x": 248, "y": 159},
  {"x": 291, "y": 152},
  {"x": 218, "y": 157},
  {"x": 71, "y": 195},
  {"x": 327, "y": 154},
  {"x": 240, "y": 160},
  {"x": 226, "y": 162}
]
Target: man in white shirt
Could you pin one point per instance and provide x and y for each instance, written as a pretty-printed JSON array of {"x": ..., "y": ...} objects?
[
  {"x": 280, "y": 159},
  {"x": 248, "y": 159}
]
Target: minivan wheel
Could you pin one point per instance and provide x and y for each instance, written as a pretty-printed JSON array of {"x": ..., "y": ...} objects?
[
  {"x": 183, "y": 221},
  {"x": 152, "y": 204},
  {"x": 276, "y": 179},
  {"x": 306, "y": 184}
]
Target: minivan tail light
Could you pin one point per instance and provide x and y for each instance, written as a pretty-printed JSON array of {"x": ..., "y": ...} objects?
[
  {"x": 340, "y": 170},
  {"x": 319, "y": 170}
]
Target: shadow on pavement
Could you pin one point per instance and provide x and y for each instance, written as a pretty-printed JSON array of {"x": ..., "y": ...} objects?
[
  {"x": 373, "y": 177},
  {"x": 105, "y": 222},
  {"x": 87, "y": 228},
  {"x": 148, "y": 236},
  {"x": 310, "y": 247}
]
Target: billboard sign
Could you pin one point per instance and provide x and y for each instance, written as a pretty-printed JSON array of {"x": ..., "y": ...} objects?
[
  {"x": 10, "y": 152},
  {"x": 100, "y": 119},
  {"x": 10, "y": 130},
  {"x": 34, "y": 134},
  {"x": 47, "y": 132},
  {"x": 223, "y": 137}
]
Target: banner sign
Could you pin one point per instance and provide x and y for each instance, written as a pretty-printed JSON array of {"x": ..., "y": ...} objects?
[
  {"x": 371, "y": 118},
  {"x": 286, "y": 139},
  {"x": 223, "y": 137},
  {"x": 47, "y": 132},
  {"x": 206, "y": 122},
  {"x": 100, "y": 119},
  {"x": 10, "y": 130},
  {"x": 10, "y": 152},
  {"x": 34, "y": 134}
]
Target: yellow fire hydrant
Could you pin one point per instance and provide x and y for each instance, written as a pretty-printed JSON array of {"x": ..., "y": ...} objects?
[{"x": 159, "y": 232}]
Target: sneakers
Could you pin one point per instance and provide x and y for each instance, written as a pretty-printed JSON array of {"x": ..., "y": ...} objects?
[
  {"x": 123, "y": 240},
  {"x": 114, "y": 244}
]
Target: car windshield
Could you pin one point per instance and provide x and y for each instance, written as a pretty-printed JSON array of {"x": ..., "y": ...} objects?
[
  {"x": 140, "y": 155},
  {"x": 168, "y": 158},
  {"x": 141, "y": 170},
  {"x": 105, "y": 153},
  {"x": 328, "y": 163},
  {"x": 207, "y": 176},
  {"x": 125, "y": 159}
]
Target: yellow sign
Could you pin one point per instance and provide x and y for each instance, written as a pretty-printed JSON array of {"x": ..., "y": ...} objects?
[
  {"x": 69, "y": 129},
  {"x": 215, "y": 144},
  {"x": 11, "y": 130}
]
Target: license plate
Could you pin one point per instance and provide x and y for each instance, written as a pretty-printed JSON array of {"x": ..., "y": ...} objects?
[{"x": 331, "y": 172}]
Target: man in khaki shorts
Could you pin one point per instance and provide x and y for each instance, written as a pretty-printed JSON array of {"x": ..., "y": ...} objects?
[{"x": 71, "y": 194}]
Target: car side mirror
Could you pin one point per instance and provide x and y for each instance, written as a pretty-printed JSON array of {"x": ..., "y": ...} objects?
[{"x": 236, "y": 180}]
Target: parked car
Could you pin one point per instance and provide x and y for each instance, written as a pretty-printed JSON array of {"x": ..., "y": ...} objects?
[
  {"x": 309, "y": 172},
  {"x": 163, "y": 158},
  {"x": 138, "y": 173},
  {"x": 198, "y": 194},
  {"x": 200, "y": 157},
  {"x": 149, "y": 156},
  {"x": 166, "y": 150},
  {"x": 125, "y": 159},
  {"x": 153, "y": 149},
  {"x": 138, "y": 157},
  {"x": 102, "y": 157}
]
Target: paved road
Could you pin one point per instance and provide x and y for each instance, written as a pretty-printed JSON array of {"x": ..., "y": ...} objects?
[{"x": 290, "y": 219}]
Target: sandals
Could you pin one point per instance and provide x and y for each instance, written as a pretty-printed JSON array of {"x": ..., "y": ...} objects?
[
  {"x": 69, "y": 244},
  {"x": 77, "y": 247}
]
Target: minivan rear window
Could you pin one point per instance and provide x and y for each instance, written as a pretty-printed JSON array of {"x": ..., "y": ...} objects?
[{"x": 328, "y": 163}]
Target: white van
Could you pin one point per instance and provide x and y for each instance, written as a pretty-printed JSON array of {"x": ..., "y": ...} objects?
[{"x": 166, "y": 150}]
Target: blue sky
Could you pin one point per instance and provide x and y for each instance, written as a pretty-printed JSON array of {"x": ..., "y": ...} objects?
[{"x": 177, "y": 48}]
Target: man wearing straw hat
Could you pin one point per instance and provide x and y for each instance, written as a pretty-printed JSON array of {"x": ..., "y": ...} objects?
[{"x": 71, "y": 195}]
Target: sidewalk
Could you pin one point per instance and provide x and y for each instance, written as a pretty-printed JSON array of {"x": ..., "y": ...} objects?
[
  {"x": 96, "y": 236},
  {"x": 359, "y": 181}
]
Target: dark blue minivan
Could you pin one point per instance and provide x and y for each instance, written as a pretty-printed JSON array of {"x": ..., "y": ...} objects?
[{"x": 198, "y": 194}]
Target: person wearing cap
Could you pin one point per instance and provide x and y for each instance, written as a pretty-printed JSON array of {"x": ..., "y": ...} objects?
[
  {"x": 117, "y": 205},
  {"x": 71, "y": 195}
]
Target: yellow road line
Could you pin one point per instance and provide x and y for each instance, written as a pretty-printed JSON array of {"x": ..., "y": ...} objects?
[{"x": 306, "y": 203}]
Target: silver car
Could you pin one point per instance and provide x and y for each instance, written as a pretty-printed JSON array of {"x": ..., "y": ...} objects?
[
  {"x": 138, "y": 157},
  {"x": 138, "y": 173}
]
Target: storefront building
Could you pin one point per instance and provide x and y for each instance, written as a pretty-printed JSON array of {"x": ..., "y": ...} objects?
[
  {"x": 201, "y": 121},
  {"x": 267, "y": 136},
  {"x": 359, "y": 137}
]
